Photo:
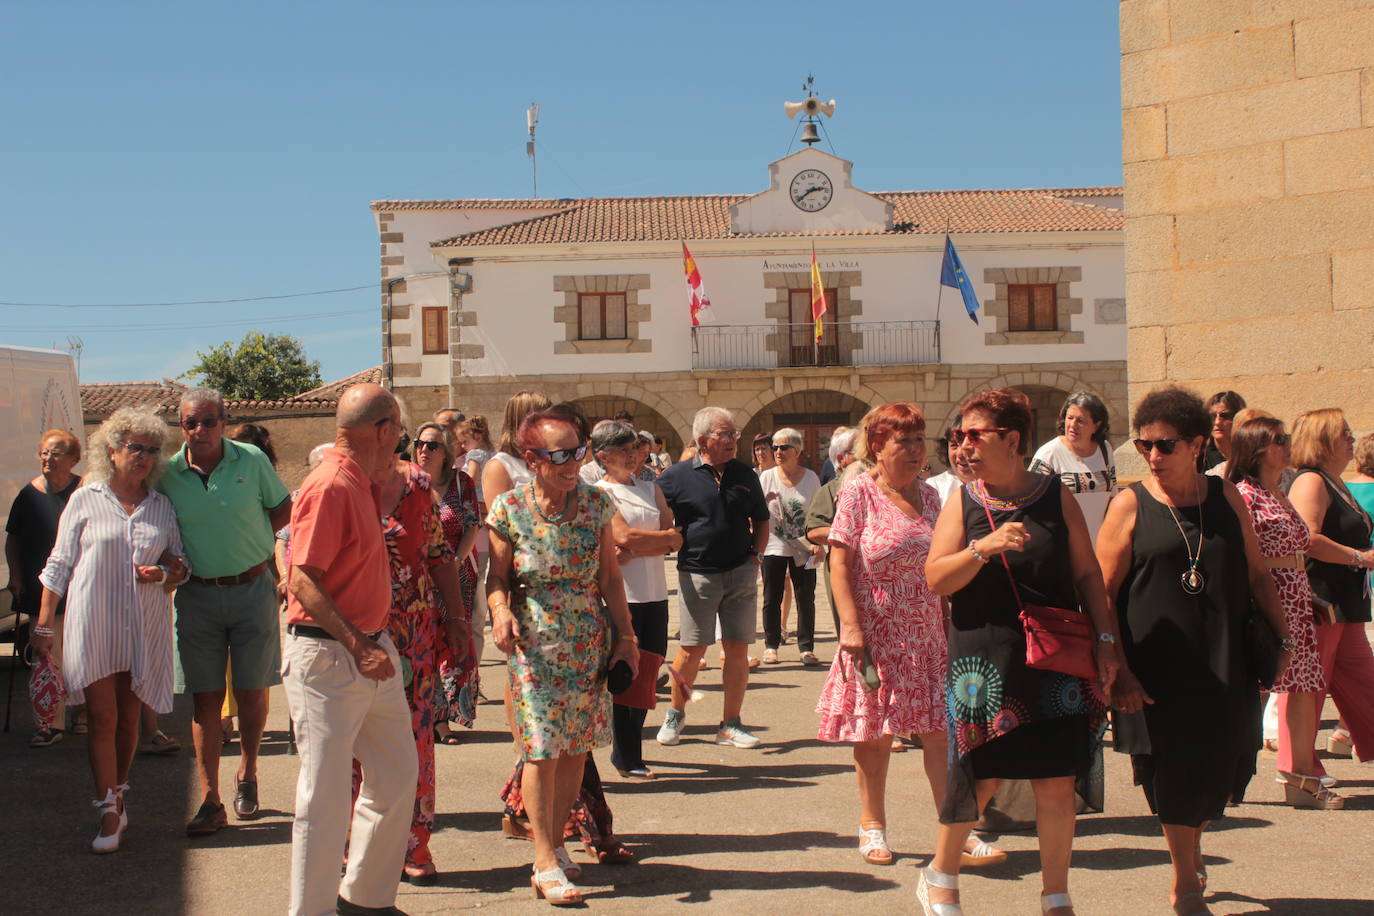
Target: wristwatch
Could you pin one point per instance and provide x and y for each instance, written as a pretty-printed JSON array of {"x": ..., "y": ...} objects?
[{"x": 1106, "y": 638}]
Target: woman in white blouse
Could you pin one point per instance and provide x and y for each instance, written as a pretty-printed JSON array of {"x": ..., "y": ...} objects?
[
  {"x": 118, "y": 554},
  {"x": 644, "y": 533},
  {"x": 1081, "y": 458},
  {"x": 788, "y": 487}
]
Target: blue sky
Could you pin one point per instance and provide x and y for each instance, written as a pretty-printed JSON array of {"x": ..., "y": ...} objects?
[{"x": 178, "y": 151}]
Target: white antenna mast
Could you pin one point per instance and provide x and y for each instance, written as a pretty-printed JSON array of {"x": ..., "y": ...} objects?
[
  {"x": 74, "y": 346},
  {"x": 532, "y": 121}
]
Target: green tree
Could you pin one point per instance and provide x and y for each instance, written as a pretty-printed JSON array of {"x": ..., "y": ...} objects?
[{"x": 259, "y": 367}]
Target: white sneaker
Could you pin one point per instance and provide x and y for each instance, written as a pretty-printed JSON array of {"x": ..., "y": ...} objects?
[
  {"x": 733, "y": 733},
  {"x": 670, "y": 732}
]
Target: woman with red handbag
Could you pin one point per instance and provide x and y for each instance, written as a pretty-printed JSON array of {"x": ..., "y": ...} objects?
[
  {"x": 1012, "y": 551},
  {"x": 1182, "y": 563}
]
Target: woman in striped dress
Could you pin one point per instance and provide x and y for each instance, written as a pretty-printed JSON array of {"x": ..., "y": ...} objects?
[{"x": 118, "y": 554}]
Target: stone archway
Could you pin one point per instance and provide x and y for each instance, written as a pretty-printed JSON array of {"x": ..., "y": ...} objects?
[
  {"x": 1042, "y": 387},
  {"x": 599, "y": 407},
  {"x": 815, "y": 412}
]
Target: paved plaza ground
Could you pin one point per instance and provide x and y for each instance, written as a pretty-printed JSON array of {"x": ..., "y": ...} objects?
[{"x": 721, "y": 830}]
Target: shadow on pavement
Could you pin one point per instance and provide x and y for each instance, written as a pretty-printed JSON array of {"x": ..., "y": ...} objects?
[
  {"x": 697, "y": 779},
  {"x": 1291, "y": 906}
]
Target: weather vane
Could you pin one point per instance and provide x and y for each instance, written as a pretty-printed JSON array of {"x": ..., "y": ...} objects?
[{"x": 811, "y": 107}]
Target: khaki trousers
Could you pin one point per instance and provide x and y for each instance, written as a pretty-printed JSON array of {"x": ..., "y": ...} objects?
[{"x": 339, "y": 716}]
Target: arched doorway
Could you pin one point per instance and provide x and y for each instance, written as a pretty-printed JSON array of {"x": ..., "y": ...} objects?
[
  {"x": 814, "y": 413},
  {"x": 645, "y": 417},
  {"x": 1045, "y": 404}
]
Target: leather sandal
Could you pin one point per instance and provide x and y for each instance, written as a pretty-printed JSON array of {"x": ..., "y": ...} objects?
[
  {"x": 932, "y": 878},
  {"x": 981, "y": 854},
  {"x": 554, "y": 886},
  {"x": 1054, "y": 901},
  {"x": 1302, "y": 791},
  {"x": 515, "y": 828},
  {"x": 610, "y": 852},
  {"x": 571, "y": 869},
  {"x": 873, "y": 846},
  {"x": 104, "y": 844}
]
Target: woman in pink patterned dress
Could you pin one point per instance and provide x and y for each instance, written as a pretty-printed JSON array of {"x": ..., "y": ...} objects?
[
  {"x": 1259, "y": 455},
  {"x": 891, "y": 624}
]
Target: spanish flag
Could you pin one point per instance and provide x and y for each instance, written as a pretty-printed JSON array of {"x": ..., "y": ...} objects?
[
  {"x": 818, "y": 307},
  {"x": 698, "y": 301}
]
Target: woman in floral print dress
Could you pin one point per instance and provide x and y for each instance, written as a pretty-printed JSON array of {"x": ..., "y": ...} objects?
[
  {"x": 1259, "y": 454},
  {"x": 552, "y": 565},
  {"x": 422, "y": 629}
]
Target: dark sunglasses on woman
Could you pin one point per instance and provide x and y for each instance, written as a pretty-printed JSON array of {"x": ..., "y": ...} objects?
[
  {"x": 974, "y": 434},
  {"x": 561, "y": 456},
  {"x": 427, "y": 445},
  {"x": 1165, "y": 446}
]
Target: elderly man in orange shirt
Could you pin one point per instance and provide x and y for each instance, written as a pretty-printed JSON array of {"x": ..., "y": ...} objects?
[{"x": 342, "y": 674}]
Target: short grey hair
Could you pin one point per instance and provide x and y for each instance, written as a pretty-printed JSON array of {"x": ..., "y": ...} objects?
[
  {"x": 317, "y": 454},
  {"x": 706, "y": 418},
  {"x": 123, "y": 424},
  {"x": 611, "y": 434},
  {"x": 790, "y": 436},
  {"x": 842, "y": 442},
  {"x": 201, "y": 395}
]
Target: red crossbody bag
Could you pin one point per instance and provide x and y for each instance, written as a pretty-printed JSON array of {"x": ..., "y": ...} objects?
[{"x": 1057, "y": 639}]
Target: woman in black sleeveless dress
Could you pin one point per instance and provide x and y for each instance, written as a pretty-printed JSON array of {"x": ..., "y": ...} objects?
[
  {"x": 1181, "y": 562},
  {"x": 1338, "y": 564},
  {"x": 1008, "y": 721}
]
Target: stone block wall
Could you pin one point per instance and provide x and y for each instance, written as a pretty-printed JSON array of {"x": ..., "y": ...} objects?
[{"x": 1248, "y": 148}]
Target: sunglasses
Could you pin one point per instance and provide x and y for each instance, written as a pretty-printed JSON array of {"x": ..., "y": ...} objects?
[
  {"x": 561, "y": 456},
  {"x": 782, "y": 448},
  {"x": 974, "y": 434},
  {"x": 1224, "y": 414},
  {"x": 136, "y": 448},
  {"x": 1165, "y": 446},
  {"x": 428, "y": 445},
  {"x": 192, "y": 423}
]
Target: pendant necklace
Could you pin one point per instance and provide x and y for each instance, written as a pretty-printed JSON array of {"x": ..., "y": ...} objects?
[
  {"x": 1192, "y": 580},
  {"x": 557, "y": 519}
]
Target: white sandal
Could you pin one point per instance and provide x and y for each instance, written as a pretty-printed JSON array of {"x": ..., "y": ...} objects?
[
  {"x": 1053, "y": 901},
  {"x": 874, "y": 840},
  {"x": 983, "y": 853},
  {"x": 554, "y": 886},
  {"x": 932, "y": 878},
  {"x": 106, "y": 844}
]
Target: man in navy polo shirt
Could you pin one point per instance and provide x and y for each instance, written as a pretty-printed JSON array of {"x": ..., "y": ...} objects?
[{"x": 719, "y": 505}]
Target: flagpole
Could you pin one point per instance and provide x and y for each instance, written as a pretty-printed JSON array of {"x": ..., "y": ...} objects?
[{"x": 815, "y": 338}]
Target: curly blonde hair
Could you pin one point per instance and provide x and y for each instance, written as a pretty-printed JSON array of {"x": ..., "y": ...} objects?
[{"x": 114, "y": 432}]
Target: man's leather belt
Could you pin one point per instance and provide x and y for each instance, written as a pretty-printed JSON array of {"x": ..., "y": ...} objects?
[
  {"x": 301, "y": 629},
  {"x": 248, "y": 575}
]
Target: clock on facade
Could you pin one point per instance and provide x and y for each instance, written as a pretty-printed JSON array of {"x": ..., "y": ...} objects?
[{"x": 811, "y": 190}]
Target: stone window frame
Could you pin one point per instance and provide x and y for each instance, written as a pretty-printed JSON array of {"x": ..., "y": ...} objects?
[
  {"x": 602, "y": 303},
  {"x": 1066, "y": 304},
  {"x": 568, "y": 313},
  {"x": 846, "y": 307}
]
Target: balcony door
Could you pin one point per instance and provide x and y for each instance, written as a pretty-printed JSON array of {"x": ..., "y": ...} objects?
[{"x": 803, "y": 349}]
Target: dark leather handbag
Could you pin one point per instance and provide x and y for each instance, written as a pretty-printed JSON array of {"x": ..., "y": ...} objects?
[
  {"x": 1262, "y": 648},
  {"x": 1057, "y": 639}
]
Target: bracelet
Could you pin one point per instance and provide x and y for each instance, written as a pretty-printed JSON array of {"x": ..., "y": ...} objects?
[
  {"x": 1106, "y": 639},
  {"x": 629, "y": 637},
  {"x": 41, "y": 631},
  {"x": 974, "y": 550}
]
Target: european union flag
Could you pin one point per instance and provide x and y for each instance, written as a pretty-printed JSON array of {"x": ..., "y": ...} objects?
[{"x": 952, "y": 274}]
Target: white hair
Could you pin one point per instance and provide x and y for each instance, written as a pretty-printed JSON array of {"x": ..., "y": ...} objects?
[
  {"x": 114, "y": 432},
  {"x": 706, "y": 418},
  {"x": 842, "y": 442},
  {"x": 789, "y": 436},
  {"x": 317, "y": 454},
  {"x": 201, "y": 395}
]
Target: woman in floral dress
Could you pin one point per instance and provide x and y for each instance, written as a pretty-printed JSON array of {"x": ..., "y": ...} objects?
[
  {"x": 453, "y": 492},
  {"x": 552, "y": 565},
  {"x": 890, "y": 621},
  {"x": 1259, "y": 454},
  {"x": 422, "y": 628}
]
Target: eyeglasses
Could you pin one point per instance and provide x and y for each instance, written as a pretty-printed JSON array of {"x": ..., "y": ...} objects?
[
  {"x": 729, "y": 435},
  {"x": 561, "y": 456},
  {"x": 190, "y": 423},
  {"x": 428, "y": 444},
  {"x": 1165, "y": 446},
  {"x": 138, "y": 448},
  {"x": 974, "y": 434},
  {"x": 54, "y": 453},
  {"x": 1224, "y": 415},
  {"x": 782, "y": 448}
]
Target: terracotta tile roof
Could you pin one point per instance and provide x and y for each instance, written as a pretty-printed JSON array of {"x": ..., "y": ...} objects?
[
  {"x": 630, "y": 219},
  {"x": 472, "y": 203},
  {"x": 99, "y": 400}
]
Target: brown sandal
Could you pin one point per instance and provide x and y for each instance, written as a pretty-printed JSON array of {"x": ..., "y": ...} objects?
[{"x": 610, "y": 852}]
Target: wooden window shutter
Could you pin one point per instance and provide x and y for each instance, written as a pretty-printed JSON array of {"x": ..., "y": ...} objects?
[{"x": 434, "y": 329}]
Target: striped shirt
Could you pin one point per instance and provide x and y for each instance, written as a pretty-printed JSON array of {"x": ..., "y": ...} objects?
[{"x": 113, "y": 622}]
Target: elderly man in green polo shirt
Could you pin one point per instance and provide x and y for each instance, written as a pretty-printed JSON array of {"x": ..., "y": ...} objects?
[{"x": 228, "y": 503}]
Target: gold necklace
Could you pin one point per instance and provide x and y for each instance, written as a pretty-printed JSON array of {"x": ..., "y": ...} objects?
[{"x": 1193, "y": 581}]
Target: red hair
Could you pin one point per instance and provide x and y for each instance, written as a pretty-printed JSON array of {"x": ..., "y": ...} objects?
[
  {"x": 1010, "y": 409},
  {"x": 527, "y": 437},
  {"x": 897, "y": 417}
]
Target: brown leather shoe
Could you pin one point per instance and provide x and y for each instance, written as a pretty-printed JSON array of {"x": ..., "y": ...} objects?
[
  {"x": 246, "y": 800},
  {"x": 209, "y": 819}
]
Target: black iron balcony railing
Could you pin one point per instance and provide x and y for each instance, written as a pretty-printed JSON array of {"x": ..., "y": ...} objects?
[{"x": 844, "y": 343}]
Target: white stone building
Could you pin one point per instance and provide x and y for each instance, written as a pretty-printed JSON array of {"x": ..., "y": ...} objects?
[{"x": 586, "y": 300}]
